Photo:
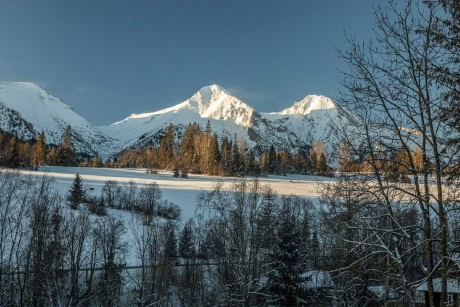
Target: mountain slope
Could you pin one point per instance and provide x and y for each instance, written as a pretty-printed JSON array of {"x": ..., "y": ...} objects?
[
  {"x": 27, "y": 110},
  {"x": 314, "y": 118},
  {"x": 227, "y": 114}
]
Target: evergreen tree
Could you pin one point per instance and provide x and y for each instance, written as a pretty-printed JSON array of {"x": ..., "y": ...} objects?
[
  {"x": 120, "y": 157},
  {"x": 76, "y": 192},
  {"x": 13, "y": 153},
  {"x": 166, "y": 152},
  {"x": 267, "y": 221},
  {"x": 286, "y": 162},
  {"x": 279, "y": 163},
  {"x": 188, "y": 148},
  {"x": 40, "y": 150},
  {"x": 52, "y": 156},
  {"x": 252, "y": 169},
  {"x": 186, "y": 245},
  {"x": 97, "y": 162},
  {"x": 313, "y": 161},
  {"x": 322, "y": 164},
  {"x": 151, "y": 160},
  {"x": 284, "y": 279},
  {"x": 265, "y": 166},
  {"x": 101, "y": 210},
  {"x": 214, "y": 156},
  {"x": 171, "y": 240},
  {"x": 208, "y": 129},
  {"x": 226, "y": 157},
  {"x": 65, "y": 153},
  {"x": 272, "y": 160},
  {"x": 237, "y": 164},
  {"x": 176, "y": 173}
]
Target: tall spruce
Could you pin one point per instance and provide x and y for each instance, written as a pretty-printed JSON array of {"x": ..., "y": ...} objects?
[
  {"x": 214, "y": 156},
  {"x": 40, "y": 150},
  {"x": 272, "y": 163},
  {"x": 287, "y": 258},
  {"x": 76, "y": 192},
  {"x": 13, "y": 153},
  {"x": 166, "y": 151},
  {"x": 322, "y": 164},
  {"x": 237, "y": 164},
  {"x": 65, "y": 153},
  {"x": 186, "y": 244}
]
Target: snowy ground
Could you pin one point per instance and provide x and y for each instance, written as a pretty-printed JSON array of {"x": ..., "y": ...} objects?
[
  {"x": 183, "y": 192},
  {"x": 180, "y": 191}
]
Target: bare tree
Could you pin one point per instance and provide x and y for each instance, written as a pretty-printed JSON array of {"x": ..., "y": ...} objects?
[{"x": 391, "y": 85}]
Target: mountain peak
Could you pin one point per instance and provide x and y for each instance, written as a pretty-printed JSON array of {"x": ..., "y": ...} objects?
[
  {"x": 209, "y": 92},
  {"x": 308, "y": 104},
  {"x": 213, "y": 101},
  {"x": 27, "y": 109},
  {"x": 215, "y": 87}
]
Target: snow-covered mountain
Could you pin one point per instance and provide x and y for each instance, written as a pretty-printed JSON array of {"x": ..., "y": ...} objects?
[
  {"x": 228, "y": 115},
  {"x": 314, "y": 118},
  {"x": 26, "y": 109}
]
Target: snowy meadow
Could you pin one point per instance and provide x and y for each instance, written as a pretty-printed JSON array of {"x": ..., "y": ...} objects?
[{"x": 181, "y": 191}]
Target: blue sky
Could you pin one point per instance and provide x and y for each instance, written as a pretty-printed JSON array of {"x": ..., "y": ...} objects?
[{"x": 108, "y": 59}]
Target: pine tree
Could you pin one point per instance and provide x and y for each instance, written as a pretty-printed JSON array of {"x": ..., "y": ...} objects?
[
  {"x": 151, "y": 160},
  {"x": 322, "y": 164},
  {"x": 208, "y": 128},
  {"x": 284, "y": 279},
  {"x": 226, "y": 157},
  {"x": 76, "y": 192},
  {"x": 65, "y": 153},
  {"x": 279, "y": 163},
  {"x": 101, "y": 210},
  {"x": 97, "y": 162},
  {"x": 237, "y": 166},
  {"x": 286, "y": 165},
  {"x": 252, "y": 169},
  {"x": 214, "y": 156},
  {"x": 166, "y": 152},
  {"x": 176, "y": 173},
  {"x": 52, "y": 156},
  {"x": 272, "y": 160},
  {"x": 186, "y": 245},
  {"x": 267, "y": 222},
  {"x": 171, "y": 240},
  {"x": 40, "y": 150},
  {"x": 13, "y": 153},
  {"x": 188, "y": 148},
  {"x": 265, "y": 166},
  {"x": 120, "y": 157},
  {"x": 313, "y": 161}
]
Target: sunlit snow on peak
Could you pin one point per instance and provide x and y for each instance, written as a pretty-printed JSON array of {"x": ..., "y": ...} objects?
[{"x": 308, "y": 104}]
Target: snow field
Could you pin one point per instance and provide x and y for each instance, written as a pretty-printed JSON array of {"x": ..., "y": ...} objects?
[{"x": 182, "y": 192}]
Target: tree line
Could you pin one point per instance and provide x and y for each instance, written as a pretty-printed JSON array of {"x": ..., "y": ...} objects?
[
  {"x": 198, "y": 151},
  {"x": 16, "y": 153}
]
